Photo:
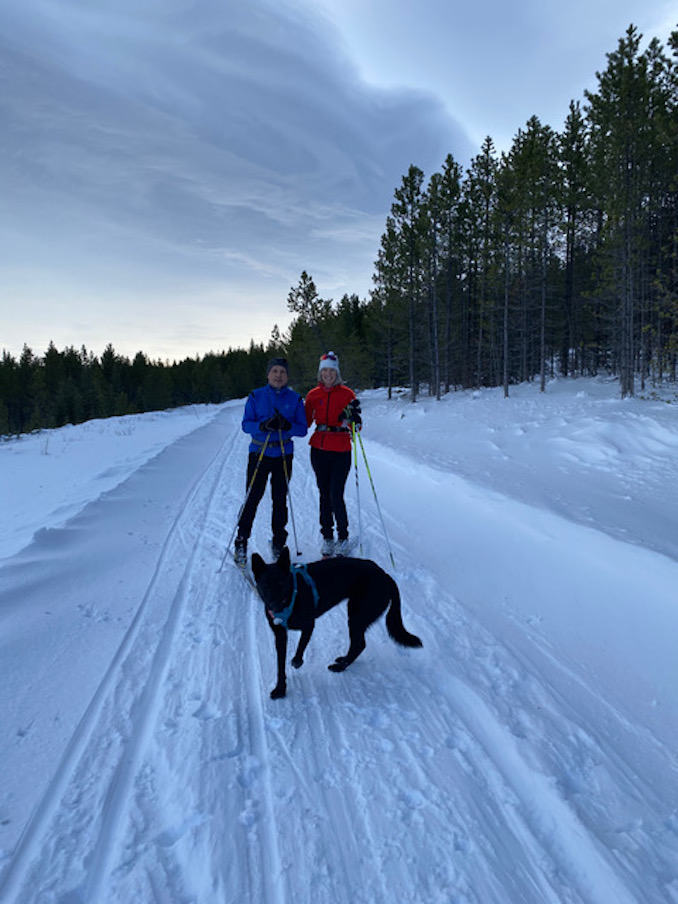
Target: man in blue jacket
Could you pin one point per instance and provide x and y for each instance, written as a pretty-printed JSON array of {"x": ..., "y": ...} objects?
[{"x": 273, "y": 415}]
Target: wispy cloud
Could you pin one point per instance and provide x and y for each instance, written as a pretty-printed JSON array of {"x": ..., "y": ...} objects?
[{"x": 174, "y": 143}]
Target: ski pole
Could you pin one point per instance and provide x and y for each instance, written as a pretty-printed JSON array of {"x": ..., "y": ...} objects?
[
  {"x": 376, "y": 499},
  {"x": 289, "y": 495},
  {"x": 247, "y": 496},
  {"x": 357, "y": 490}
]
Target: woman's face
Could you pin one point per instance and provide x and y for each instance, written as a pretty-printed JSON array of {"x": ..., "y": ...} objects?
[{"x": 328, "y": 376}]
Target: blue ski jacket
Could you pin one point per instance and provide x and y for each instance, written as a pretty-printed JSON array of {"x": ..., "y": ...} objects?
[{"x": 264, "y": 403}]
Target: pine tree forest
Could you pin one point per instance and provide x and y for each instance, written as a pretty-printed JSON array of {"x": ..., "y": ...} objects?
[{"x": 558, "y": 257}]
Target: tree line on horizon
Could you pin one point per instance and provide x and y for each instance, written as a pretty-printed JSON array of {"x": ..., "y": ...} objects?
[{"x": 559, "y": 256}]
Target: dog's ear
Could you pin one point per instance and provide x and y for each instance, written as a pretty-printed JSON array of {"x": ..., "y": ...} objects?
[
  {"x": 258, "y": 565},
  {"x": 284, "y": 560}
]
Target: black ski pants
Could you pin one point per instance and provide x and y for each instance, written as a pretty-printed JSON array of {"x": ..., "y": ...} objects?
[
  {"x": 331, "y": 470},
  {"x": 275, "y": 468}
]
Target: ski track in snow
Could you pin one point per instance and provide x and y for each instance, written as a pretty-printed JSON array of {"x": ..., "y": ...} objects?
[
  {"x": 104, "y": 757},
  {"x": 464, "y": 772}
]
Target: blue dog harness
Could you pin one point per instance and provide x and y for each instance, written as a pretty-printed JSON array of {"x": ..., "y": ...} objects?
[{"x": 283, "y": 617}]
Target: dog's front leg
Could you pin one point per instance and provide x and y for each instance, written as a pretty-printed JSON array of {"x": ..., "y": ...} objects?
[
  {"x": 298, "y": 660},
  {"x": 281, "y": 652}
]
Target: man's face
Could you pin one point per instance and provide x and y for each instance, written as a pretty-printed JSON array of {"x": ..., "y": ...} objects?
[{"x": 277, "y": 377}]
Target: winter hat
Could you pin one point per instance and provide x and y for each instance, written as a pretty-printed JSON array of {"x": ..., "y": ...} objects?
[
  {"x": 277, "y": 362},
  {"x": 331, "y": 362}
]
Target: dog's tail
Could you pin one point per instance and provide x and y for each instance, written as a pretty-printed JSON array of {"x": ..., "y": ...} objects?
[{"x": 394, "y": 622}]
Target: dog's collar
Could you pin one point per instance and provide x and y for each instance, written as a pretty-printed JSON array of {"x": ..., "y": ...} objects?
[{"x": 283, "y": 617}]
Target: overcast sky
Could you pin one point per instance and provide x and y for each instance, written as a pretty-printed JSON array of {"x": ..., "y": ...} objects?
[{"x": 169, "y": 167}]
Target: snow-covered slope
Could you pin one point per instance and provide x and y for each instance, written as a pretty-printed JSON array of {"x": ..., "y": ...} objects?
[{"x": 526, "y": 754}]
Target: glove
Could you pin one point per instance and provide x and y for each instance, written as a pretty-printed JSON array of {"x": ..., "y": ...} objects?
[
  {"x": 280, "y": 422},
  {"x": 275, "y": 423},
  {"x": 352, "y": 413}
]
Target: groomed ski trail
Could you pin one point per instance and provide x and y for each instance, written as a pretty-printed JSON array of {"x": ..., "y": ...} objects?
[
  {"x": 477, "y": 754},
  {"x": 72, "y": 839}
]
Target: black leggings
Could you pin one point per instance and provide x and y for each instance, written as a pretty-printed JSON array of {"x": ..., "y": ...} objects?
[
  {"x": 276, "y": 468},
  {"x": 331, "y": 470}
]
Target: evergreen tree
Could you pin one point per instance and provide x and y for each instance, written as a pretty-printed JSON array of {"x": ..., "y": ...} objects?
[
  {"x": 455, "y": 302},
  {"x": 621, "y": 122},
  {"x": 573, "y": 154},
  {"x": 533, "y": 212},
  {"x": 482, "y": 256},
  {"x": 408, "y": 218},
  {"x": 432, "y": 225},
  {"x": 387, "y": 298},
  {"x": 304, "y": 301}
]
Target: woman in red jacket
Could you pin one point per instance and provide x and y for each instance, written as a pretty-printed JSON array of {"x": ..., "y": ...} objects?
[{"x": 333, "y": 407}]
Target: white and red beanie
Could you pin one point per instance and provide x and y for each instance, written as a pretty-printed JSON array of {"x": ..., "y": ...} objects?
[{"x": 329, "y": 362}]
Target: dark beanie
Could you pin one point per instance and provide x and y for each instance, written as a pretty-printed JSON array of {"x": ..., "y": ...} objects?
[{"x": 277, "y": 362}]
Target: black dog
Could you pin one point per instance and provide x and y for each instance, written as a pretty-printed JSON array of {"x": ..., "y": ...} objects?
[{"x": 295, "y": 595}]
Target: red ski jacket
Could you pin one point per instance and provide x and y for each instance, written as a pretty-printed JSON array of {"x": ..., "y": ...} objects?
[{"x": 325, "y": 407}]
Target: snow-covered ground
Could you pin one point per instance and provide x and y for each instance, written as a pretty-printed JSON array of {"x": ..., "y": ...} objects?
[{"x": 528, "y": 753}]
